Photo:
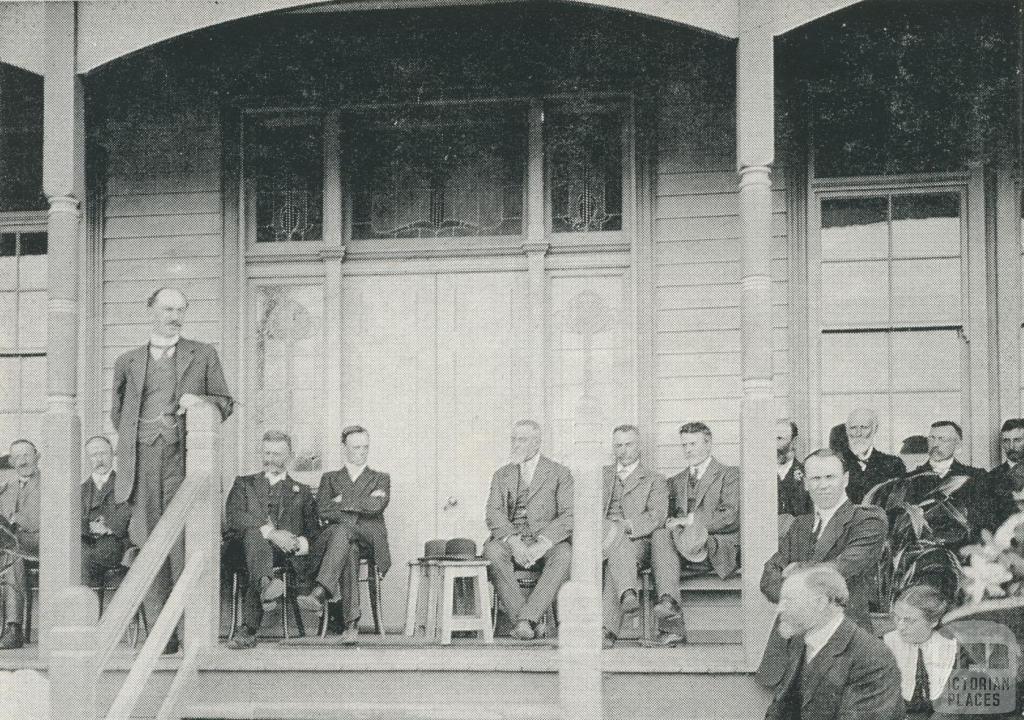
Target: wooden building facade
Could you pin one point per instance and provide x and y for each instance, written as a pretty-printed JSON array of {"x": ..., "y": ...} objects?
[{"x": 433, "y": 221}]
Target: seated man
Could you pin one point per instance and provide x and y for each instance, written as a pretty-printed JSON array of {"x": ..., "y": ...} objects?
[
  {"x": 846, "y": 536},
  {"x": 275, "y": 518},
  {"x": 351, "y": 502},
  {"x": 529, "y": 514},
  {"x": 868, "y": 465},
  {"x": 19, "y": 525},
  {"x": 104, "y": 522},
  {"x": 1004, "y": 488},
  {"x": 702, "y": 533},
  {"x": 635, "y": 504},
  {"x": 793, "y": 497}
]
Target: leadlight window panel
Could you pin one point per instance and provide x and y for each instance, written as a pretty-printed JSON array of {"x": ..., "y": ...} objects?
[
  {"x": 21, "y": 140},
  {"x": 284, "y": 172},
  {"x": 437, "y": 172},
  {"x": 288, "y": 373},
  {"x": 23, "y": 281},
  {"x": 584, "y": 150}
]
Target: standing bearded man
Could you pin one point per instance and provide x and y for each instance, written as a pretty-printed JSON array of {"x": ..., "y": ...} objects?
[{"x": 154, "y": 386}]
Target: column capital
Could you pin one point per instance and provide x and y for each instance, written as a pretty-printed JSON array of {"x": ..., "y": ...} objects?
[
  {"x": 755, "y": 175},
  {"x": 531, "y": 247},
  {"x": 64, "y": 204}
]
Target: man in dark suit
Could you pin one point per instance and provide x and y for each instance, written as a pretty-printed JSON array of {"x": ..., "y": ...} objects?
[
  {"x": 529, "y": 515},
  {"x": 635, "y": 505},
  {"x": 793, "y": 497},
  {"x": 275, "y": 518},
  {"x": 1003, "y": 485},
  {"x": 868, "y": 465},
  {"x": 351, "y": 502},
  {"x": 702, "y": 533},
  {"x": 835, "y": 669},
  {"x": 19, "y": 510},
  {"x": 154, "y": 385},
  {"x": 104, "y": 522},
  {"x": 848, "y": 537}
]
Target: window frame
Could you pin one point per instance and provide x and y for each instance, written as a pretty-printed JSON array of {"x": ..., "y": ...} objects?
[{"x": 973, "y": 327}]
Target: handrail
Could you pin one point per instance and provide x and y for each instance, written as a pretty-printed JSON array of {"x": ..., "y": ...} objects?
[
  {"x": 142, "y": 668},
  {"x": 149, "y": 561}
]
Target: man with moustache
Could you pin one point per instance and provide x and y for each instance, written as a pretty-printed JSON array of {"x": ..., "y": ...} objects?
[
  {"x": 154, "y": 386},
  {"x": 529, "y": 515},
  {"x": 104, "y": 522},
  {"x": 793, "y": 497},
  {"x": 845, "y": 536},
  {"x": 275, "y": 518},
  {"x": 351, "y": 503},
  {"x": 1005, "y": 482},
  {"x": 19, "y": 522},
  {"x": 868, "y": 465},
  {"x": 834, "y": 668},
  {"x": 635, "y": 504}
]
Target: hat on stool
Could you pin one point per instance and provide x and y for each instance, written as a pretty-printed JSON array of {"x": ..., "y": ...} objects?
[
  {"x": 692, "y": 541},
  {"x": 460, "y": 549},
  {"x": 434, "y": 549}
]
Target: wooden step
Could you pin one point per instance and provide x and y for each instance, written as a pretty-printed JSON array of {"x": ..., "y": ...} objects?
[{"x": 365, "y": 711}]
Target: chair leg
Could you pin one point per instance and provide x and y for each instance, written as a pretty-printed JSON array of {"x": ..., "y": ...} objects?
[
  {"x": 292, "y": 594},
  {"x": 27, "y": 605},
  {"x": 284, "y": 606},
  {"x": 324, "y": 616},
  {"x": 373, "y": 580},
  {"x": 234, "y": 605}
]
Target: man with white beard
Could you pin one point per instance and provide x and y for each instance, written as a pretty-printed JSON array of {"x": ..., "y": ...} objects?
[{"x": 868, "y": 466}]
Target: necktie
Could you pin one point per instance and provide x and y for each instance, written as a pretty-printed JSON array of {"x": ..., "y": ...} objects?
[
  {"x": 922, "y": 690},
  {"x": 819, "y": 525}
]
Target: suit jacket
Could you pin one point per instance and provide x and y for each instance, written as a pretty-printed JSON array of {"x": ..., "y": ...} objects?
[
  {"x": 361, "y": 503},
  {"x": 971, "y": 496},
  {"x": 793, "y": 496},
  {"x": 199, "y": 373},
  {"x": 999, "y": 486},
  {"x": 27, "y": 517},
  {"x": 548, "y": 504},
  {"x": 880, "y": 467},
  {"x": 249, "y": 499},
  {"x": 854, "y": 677},
  {"x": 717, "y": 507},
  {"x": 644, "y": 499},
  {"x": 852, "y": 542},
  {"x": 100, "y": 503}
]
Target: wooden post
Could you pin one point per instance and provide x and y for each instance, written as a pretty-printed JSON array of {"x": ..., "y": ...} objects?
[
  {"x": 580, "y": 676},
  {"x": 536, "y": 248},
  {"x": 64, "y": 185},
  {"x": 202, "y": 527},
  {"x": 72, "y": 671},
  {"x": 755, "y": 153}
]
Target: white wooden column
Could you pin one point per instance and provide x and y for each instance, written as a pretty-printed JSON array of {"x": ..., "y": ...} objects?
[
  {"x": 334, "y": 254},
  {"x": 64, "y": 185},
  {"x": 536, "y": 248},
  {"x": 755, "y": 152}
]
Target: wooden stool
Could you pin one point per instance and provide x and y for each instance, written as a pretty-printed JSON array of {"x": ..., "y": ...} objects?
[
  {"x": 441, "y": 619},
  {"x": 415, "y": 615}
]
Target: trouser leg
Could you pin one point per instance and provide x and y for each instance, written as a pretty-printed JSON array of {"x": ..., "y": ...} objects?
[
  {"x": 666, "y": 564},
  {"x": 100, "y": 555},
  {"x": 259, "y": 560},
  {"x": 12, "y": 587},
  {"x": 623, "y": 558},
  {"x": 553, "y": 574},
  {"x": 502, "y": 573}
]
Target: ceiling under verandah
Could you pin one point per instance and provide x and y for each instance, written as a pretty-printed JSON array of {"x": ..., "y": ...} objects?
[{"x": 109, "y": 29}]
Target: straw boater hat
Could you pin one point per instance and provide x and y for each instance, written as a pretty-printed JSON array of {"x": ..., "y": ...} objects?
[{"x": 691, "y": 541}]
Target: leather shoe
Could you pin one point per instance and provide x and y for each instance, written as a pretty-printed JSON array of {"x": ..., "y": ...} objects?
[
  {"x": 666, "y": 608},
  {"x": 672, "y": 639},
  {"x": 314, "y": 602},
  {"x": 524, "y": 630},
  {"x": 630, "y": 602},
  {"x": 11, "y": 638},
  {"x": 243, "y": 640},
  {"x": 609, "y": 639}
]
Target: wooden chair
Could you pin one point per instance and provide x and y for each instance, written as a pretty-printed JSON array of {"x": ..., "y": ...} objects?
[
  {"x": 373, "y": 579},
  {"x": 688, "y": 582},
  {"x": 232, "y": 558}
]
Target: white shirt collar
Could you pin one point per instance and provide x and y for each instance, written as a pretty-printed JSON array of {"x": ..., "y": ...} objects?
[
  {"x": 827, "y": 515},
  {"x": 354, "y": 471},
  {"x": 867, "y": 456},
  {"x": 100, "y": 480},
  {"x": 699, "y": 470},
  {"x": 943, "y": 467},
  {"x": 528, "y": 468},
  {"x": 625, "y": 472},
  {"x": 818, "y": 638},
  {"x": 275, "y": 478},
  {"x": 163, "y": 342},
  {"x": 939, "y": 654},
  {"x": 783, "y": 470}
]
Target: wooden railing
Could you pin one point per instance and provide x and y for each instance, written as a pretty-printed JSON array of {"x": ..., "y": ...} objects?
[{"x": 83, "y": 647}]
